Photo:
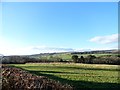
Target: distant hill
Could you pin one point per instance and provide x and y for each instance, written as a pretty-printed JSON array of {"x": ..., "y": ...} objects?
[
  {"x": 100, "y": 57},
  {"x": 115, "y": 51}
]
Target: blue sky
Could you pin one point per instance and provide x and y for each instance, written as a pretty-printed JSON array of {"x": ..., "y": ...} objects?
[{"x": 64, "y": 25}]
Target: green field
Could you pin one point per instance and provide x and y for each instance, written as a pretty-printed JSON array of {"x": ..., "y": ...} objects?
[
  {"x": 77, "y": 75},
  {"x": 67, "y": 56}
]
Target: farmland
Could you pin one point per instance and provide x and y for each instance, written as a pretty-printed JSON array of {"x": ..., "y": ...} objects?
[
  {"x": 66, "y": 56},
  {"x": 77, "y": 75}
]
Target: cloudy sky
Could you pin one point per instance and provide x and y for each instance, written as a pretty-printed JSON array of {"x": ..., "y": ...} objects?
[{"x": 36, "y": 27}]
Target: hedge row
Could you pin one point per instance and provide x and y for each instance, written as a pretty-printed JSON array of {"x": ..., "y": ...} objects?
[
  {"x": 92, "y": 59},
  {"x": 18, "y": 79}
]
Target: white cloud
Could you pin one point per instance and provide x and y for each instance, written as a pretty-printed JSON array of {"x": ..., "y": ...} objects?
[
  {"x": 5, "y": 50},
  {"x": 10, "y": 48},
  {"x": 41, "y": 49},
  {"x": 105, "y": 39},
  {"x": 53, "y": 49}
]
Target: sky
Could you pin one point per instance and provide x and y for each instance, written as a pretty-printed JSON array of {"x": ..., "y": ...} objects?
[{"x": 39, "y": 27}]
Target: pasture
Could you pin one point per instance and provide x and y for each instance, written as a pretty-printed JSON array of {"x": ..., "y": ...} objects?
[
  {"x": 66, "y": 56},
  {"x": 79, "y": 76}
]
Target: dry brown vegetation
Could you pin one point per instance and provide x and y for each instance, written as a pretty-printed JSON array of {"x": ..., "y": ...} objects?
[{"x": 18, "y": 79}]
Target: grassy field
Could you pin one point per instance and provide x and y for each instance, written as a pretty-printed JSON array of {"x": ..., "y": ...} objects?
[
  {"x": 77, "y": 75},
  {"x": 67, "y": 56}
]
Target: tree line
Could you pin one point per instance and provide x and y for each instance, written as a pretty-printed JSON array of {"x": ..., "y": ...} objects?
[
  {"x": 92, "y": 59},
  {"x": 89, "y": 59}
]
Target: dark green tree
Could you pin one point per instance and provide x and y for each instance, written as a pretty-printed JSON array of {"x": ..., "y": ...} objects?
[
  {"x": 90, "y": 58},
  {"x": 75, "y": 58},
  {"x": 82, "y": 59}
]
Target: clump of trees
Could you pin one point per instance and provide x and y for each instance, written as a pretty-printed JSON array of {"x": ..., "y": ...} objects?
[
  {"x": 75, "y": 58},
  {"x": 92, "y": 59},
  {"x": 13, "y": 59},
  {"x": 18, "y": 60},
  {"x": 26, "y": 59}
]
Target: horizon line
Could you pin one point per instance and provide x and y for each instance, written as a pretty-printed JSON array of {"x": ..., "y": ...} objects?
[{"x": 57, "y": 52}]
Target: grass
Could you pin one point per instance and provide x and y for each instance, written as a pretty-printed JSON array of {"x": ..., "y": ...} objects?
[
  {"x": 67, "y": 56},
  {"x": 77, "y": 75}
]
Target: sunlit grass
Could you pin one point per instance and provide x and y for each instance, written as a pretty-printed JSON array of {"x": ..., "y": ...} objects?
[{"x": 71, "y": 72}]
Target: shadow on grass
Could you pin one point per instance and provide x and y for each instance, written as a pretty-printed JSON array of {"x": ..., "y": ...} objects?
[
  {"x": 58, "y": 72},
  {"x": 55, "y": 72},
  {"x": 80, "y": 85}
]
